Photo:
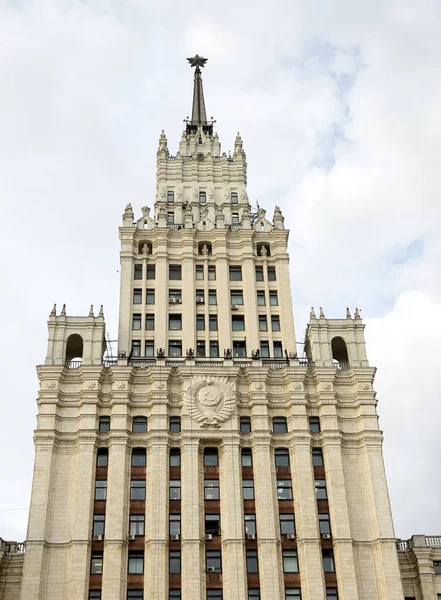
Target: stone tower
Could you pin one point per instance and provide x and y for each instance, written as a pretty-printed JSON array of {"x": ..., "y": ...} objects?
[{"x": 207, "y": 460}]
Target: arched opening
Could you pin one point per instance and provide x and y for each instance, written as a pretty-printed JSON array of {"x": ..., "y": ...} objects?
[
  {"x": 339, "y": 351},
  {"x": 74, "y": 351},
  {"x": 145, "y": 247},
  {"x": 204, "y": 248},
  {"x": 263, "y": 250}
]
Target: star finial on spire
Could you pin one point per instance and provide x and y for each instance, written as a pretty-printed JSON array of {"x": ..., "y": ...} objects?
[{"x": 197, "y": 61}]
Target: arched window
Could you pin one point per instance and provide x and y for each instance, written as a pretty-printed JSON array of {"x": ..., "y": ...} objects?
[
  {"x": 74, "y": 351},
  {"x": 139, "y": 424},
  {"x": 339, "y": 350}
]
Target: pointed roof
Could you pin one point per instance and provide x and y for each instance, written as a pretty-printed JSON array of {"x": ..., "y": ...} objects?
[{"x": 198, "y": 112}]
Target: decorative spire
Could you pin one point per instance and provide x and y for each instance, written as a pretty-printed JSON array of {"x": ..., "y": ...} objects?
[{"x": 198, "y": 113}]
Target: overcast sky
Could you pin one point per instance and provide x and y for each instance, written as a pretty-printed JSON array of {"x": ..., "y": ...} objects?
[{"x": 338, "y": 103}]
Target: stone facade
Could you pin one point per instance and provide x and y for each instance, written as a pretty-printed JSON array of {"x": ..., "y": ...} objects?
[
  {"x": 420, "y": 566},
  {"x": 11, "y": 569}
]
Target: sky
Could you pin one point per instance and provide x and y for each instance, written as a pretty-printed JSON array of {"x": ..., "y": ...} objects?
[{"x": 338, "y": 103}]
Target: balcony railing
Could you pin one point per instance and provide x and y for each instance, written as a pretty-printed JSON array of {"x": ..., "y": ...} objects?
[
  {"x": 305, "y": 362},
  {"x": 342, "y": 366},
  {"x": 430, "y": 541},
  {"x": 12, "y": 547}
]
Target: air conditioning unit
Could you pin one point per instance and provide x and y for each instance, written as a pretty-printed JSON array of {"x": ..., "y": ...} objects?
[
  {"x": 291, "y": 536},
  {"x": 131, "y": 537},
  {"x": 178, "y": 301},
  {"x": 172, "y": 300},
  {"x": 251, "y": 536},
  {"x": 210, "y": 570},
  {"x": 199, "y": 300},
  {"x": 98, "y": 538},
  {"x": 326, "y": 536},
  {"x": 234, "y": 307},
  {"x": 175, "y": 537},
  {"x": 208, "y": 537}
]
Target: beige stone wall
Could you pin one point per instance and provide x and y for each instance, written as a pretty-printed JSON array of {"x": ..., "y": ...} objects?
[
  {"x": 11, "y": 569},
  {"x": 416, "y": 559}
]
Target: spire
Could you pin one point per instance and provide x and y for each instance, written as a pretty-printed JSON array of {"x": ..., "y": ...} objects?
[{"x": 198, "y": 112}]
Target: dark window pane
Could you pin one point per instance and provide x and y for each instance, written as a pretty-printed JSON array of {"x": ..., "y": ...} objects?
[
  {"x": 104, "y": 424},
  {"x": 317, "y": 457},
  {"x": 175, "y": 457},
  {"x": 211, "y": 457},
  {"x": 247, "y": 458},
  {"x": 100, "y": 490},
  {"x": 314, "y": 424},
  {"x": 175, "y": 489},
  {"x": 175, "y": 561},
  {"x": 245, "y": 424},
  {"x": 137, "y": 273},
  {"x": 280, "y": 425},
  {"x": 235, "y": 273},
  {"x": 102, "y": 457},
  {"x": 250, "y": 524},
  {"x": 139, "y": 424},
  {"x": 252, "y": 564},
  {"x": 137, "y": 296},
  {"x": 284, "y": 489},
  {"x": 290, "y": 561},
  {"x": 282, "y": 457},
  {"x": 174, "y": 272},
  {"x": 259, "y": 273},
  {"x": 211, "y": 489},
  {"x": 271, "y": 273},
  {"x": 175, "y": 424},
  {"x": 96, "y": 563},
  {"x": 136, "y": 524},
  {"x": 137, "y": 489},
  {"x": 248, "y": 489},
  {"x": 287, "y": 524},
  {"x": 136, "y": 563},
  {"x": 151, "y": 272},
  {"x": 328, "y": 561},
  {"x": 139, "y": 457}
]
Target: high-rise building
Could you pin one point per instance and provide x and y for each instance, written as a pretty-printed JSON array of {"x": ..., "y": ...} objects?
[{"x": 207, "y": 460}]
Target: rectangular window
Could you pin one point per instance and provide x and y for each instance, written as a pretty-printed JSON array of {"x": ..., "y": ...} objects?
[
  {"x": 290, "y": 561},
  {"x": 250, "y": 524},
  {"x": 252, "y": 563},
  {"x": 199, "y": 272},
  {"x": 175, "y": 348},
  {"x": 264, "y": 349},
  {"x": 314, "y": 424},
  {"x": 200, "y": 322},
  {"x": 214, "y": 594},
  {"x": 136, "y": 563},
  {"x": 247, "y": 457},
  {"x": 150, "y": 322},
  {"x": 263, "y": 325},
  {"x": 174, "y": 272},
  {"x": 102, "y": 457},
  {"x": 253, "y": 594},
  {"x": 136, "y": 321},
  {"x": 238, "y": 322},
  {"x": 137, "y": 489},
  {"x": 235, "y": 220},
  {"x": 261, "y": 298},
  {"x": 170, "y": 218},
  {"x": 282, "y": 457},
  {"x": 280, "y": 425},
  {"x": 248, "y": 489},
  {"x": 151, "y": 272},
  {"x": 211, "y": 489},
  {"x": 174, "y": 525},
  {"x": 98, "y": 524},
  {"x": 96, "y": 563},
  {"x": 293, "y": 594},
  {"x": 150, "y": 296},
  {"x": 284, "y": 489},
  {"x": 213, "y": 561},
  {"x": 135, "y": 595},
  {"x": 170, "y": 197},
  {"x": 236, "y": 297},
  {"x": 174, "y": 322},
  {"x": 259, "y": 273},
  {"x": 317, "y": 457},
  {"x": 437, "y": 567},
  {"x": 212, "y": 322},
  {"x": 137, "y": 273},
  {"x": 94, "y": 595},
  {"x": 174, "y": 489},
  {"x": 202, "y": 197},
  {"x": 137, "y": 296},
  {"x": 320, "y": 489},
  {"x": 235, "y": 273},
  {"x": 100, "y": 490},
  {"x": 200, "y": 349},
  {"x": 287, "y": 524},
  {"x": 175, "y": 424},
  {"x": 214, "y": 349},
  {"x": 278, "y": 353},
  {"x": 234, "y": 198},
  {"x": 136, "y": 525},
  {"x": 175, "y": 457},
  {"x": 274, "y": 301},
  {"x": 175, "y": 296},
  {"x": 174, "y": 561},
  {"x": 139, "y": 457},
  {"x": 212, "y": 298},
  {"x": 149, "y": 348},
  {"x": 328, "y": 561},
  {"x": 211, "y": 457},
  {"x": 104, "y": 424},
  {"x": 271, "y": 273},
  {"x": 200, "y": 297},
  {"x": 212, "y": 273},
  {"x": 212, "y": 524},
  {"x": 239, "y": 349},
  {"x": 245, "y": 424},
  {"x": 174, "y": 595},
  {"x": 332, "y": 594},
  {"x": 275, "y": 323},
  {"x": 324, "y": 523},
  {"x": 136, "y": 348}
]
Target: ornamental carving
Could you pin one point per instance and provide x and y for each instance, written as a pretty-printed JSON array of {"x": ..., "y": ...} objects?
[
  {"x": 210, "y": 400},
  {"x": 50, "y": 385}
]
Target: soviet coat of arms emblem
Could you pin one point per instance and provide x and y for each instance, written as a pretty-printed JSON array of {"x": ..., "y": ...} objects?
[{"x": 210, "y": 400}]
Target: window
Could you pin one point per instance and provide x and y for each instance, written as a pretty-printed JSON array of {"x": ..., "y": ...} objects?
[
  {"x": 202, "y": 197},
  {"x": 234, "y": 198},
  {"x": 175, "y": 424},
  {"x": 264, "y": 349},
  {"x": 274, "y": 301},
  {"x": 235, "y": 273},
  {"x": 252, "y": 563},
  {"x": 137, "y": 489},
  {"x": 211, "y": 489},
  {"x": 328, "y": 561},
  {"x": 278, "y": 350},
  {"x": 174, "y": 489},
  {"x": 96, "y": 563},
  {"x": 174, "y": 525},
  {"x": 212, "y": 524},
  {"x": 245, "y": 424},
  {"x": 238, "y": 322},
  {"x": 104, "y": 424},
  {"x": 259, "y": 273},
  {"x": 214, "y": 349},
  {"x": 98, "y": 524},
  {"x": 139, "y": 457},
  {"x": 253, "y": 594},
  {"x": 199, "y": 272},
  {"x": 332, "y": 594},
  {"x": 317, "y": 457},
  {"x": 293, "y": 594},
  {"x": 149, "y": 348},
  {"x": 175, "y": 296},
  {"x": 100, "y": 489},
  {"x": 200, "y": 297},
  {"x": 174, "y": 322},
  {"x": 324, "y": 523},
  {"x": 235, "y": 219},
  {"x": 200, "y": 322},
  {"x": 271, "y": 273},
  {"x": 212, "y": 321},
  {"x": 136, "y": 348},
  {"x": 314, "y": 424},
  {"x": 282, "y": 457},
  {"x": 136, "y": 524},
  {"x": 211, "y": 458},
  {"x": 150, "y": 322},
  {"x": 214, "y": 594},
  {"x": 320, "y": 489},
  {"x": 174, "y": 272},
  {"x": 174, "y": 595},
  {"x": 151, "y": 272},
  {"x": 287, "y": 524},
  {"x": 102, "y": 457},
  {"x": 212, "y": 273},
  {"x": 213, "y": 560},
  {"x": 137, "y": 273},
  {"x": 250, "y": 524},
  {"x": 200, "y": 348},
  {"x": 175, "y": 457},
  {"x": 280, "y": 425},
  {"x": 236, "y": 297},
  {"x": 174, "y": 561},
  {"x": 139, "y": 424},
  {"x": 150, "y": 296},
  {"x": 94, "y": 594},
  {"x": 239, "y": 349},
  {"x": 136, "y": 321},
  {"x": 175, "y": 348},
  {"x": 137, "y": 296},
  {"x": 136, "y": 563},
  {"x": 247, "y": 457},
  {"x": 248, "y": 489},
  {"x": 275, "y": 323},
  {"x": 263, "y": 325},
  {"x": 290, "y": 561},
  {"x": 212, "y": 299},
  {"x": 261, "y": 298},
  {"x": 170, "y": 217},
  {"x": 284, "y": 489},
  {"x": 437, "y": 566},
  {"x": 170, "y": 196},
  {"x": 135, "y": 595}
]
